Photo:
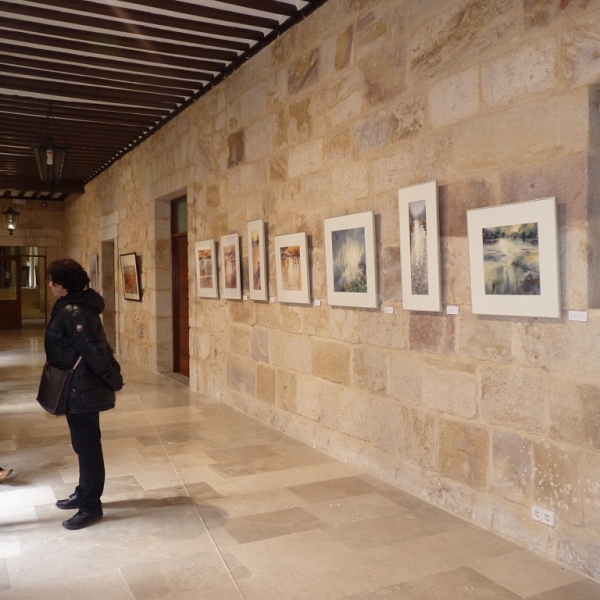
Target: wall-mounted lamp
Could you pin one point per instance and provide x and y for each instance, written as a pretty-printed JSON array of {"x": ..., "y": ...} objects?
[
  {"x": 11, "y": 218},
  {"x": 49, "y": 155}
]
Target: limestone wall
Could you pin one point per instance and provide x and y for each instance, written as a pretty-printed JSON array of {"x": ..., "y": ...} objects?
[{"x": 497, "y": 101}]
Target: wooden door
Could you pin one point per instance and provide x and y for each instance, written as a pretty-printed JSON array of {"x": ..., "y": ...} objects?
[
  {"x": 181, "y": 312},
  {"x": 10, "y": 292},
  {"x": 107, "y": 283}
]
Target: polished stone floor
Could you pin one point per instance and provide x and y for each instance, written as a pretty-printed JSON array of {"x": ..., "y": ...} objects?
[{"x": 202, "y": 502}]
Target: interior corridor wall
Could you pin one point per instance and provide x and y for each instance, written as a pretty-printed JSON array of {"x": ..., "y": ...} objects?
[
  {"x": 497, "y": 101},
  {"x": 39, "y": 226}
]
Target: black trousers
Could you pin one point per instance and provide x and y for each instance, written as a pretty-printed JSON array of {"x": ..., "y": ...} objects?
[{"x": 86, "y": 441}]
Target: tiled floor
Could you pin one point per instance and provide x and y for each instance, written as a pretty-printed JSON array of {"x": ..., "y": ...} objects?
[{"x": 205, "y": 503}]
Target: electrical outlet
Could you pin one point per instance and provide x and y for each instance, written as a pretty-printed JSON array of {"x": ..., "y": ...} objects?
[{"x": 547, "y": 517}]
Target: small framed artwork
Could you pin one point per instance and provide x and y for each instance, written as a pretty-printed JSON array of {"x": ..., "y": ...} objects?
[
  {"x": 206, "y": 269},
  {"x": 94, "y": 272},
  {"x": 257, "y": 260},
  {"x": 291, "y": 268},
  {"x": 420, "y": 247},
  {"x": 131, "y": 277},
  {"x": 514, "y": 259},
  {"x": 350, "y": 260},
  {"x": 232, "y": 272}
]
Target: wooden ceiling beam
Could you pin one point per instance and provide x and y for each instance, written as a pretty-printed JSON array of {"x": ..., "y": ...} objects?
[
  {"x": 51, "y": 13},
  {"x": 124, "y": 80},
  {"x": 114, "y": 75},
  {"x": 97, "y": 39},
  {"x": 175, "y": 21},
  {"x": 159, "y": 70},
  {"x": 47, "y": 41},
  {"x": 215, "y": 14},
  {"x": 66, "y": 90},
  {"x": 83, "y": 117},
  {"x": 31, "y": 184},
  {"x": 65, "y": 108},
  {"x": 269, "y": 6}
]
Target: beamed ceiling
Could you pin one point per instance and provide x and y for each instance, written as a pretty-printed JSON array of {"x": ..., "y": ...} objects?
[{"x": 114, "y": 72}]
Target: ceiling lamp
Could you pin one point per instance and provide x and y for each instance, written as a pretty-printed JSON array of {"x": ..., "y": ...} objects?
[
  {"x": 49, "y": 155},
  {"x": 11, "y": 218}
]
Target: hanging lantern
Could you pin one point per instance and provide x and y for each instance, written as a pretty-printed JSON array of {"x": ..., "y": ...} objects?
[
  {"x": 11, "y": 218},
  {"x": 49, "y": 155}
]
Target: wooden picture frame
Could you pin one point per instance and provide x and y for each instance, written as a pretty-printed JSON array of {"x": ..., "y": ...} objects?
[
  {"x": 257, "y": 260},
  {"x": 231, "y": 267},
  {"x": 514, "y": 259},
  {"x": 206, "y": 269},
  {"x": 130, "y": 276},
  {"x": 420, "y": 247},
  {"x": 291, "y": 268},
  {"x": 350, "y": 260}
]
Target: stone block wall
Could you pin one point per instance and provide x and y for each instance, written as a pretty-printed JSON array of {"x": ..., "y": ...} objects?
[{"x": 498, "y": 102}]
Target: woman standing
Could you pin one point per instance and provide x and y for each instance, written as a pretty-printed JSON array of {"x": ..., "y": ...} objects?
[{"x": 75, "y": 330}]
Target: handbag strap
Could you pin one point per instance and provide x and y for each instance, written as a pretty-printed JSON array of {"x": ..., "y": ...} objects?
[{"x": 77, "y": 363}]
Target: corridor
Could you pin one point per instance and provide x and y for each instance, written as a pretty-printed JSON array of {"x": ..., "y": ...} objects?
[{"x": 203, "y": 502}]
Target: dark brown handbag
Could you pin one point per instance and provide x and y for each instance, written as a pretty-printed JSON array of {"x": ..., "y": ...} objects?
[{"x": 54, "y": 388}]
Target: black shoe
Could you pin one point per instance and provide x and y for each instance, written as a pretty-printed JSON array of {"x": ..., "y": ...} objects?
[
  {"x": 83, "y": 518},
  {"x": 68, "y": 503}
]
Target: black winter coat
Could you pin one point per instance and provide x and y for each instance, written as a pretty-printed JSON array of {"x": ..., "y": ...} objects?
[{"x": 75, "y": 330}]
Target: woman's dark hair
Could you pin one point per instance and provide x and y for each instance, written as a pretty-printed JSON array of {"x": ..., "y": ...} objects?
[{"x": 68, "y": 273}]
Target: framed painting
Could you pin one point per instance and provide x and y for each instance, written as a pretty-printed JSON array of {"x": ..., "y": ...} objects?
[
  {"x": 514, "y": 259},
  {"x": 93, "y": 273},
  {"x": 206, "y": 269},
  {"x": 131, "y": 277},
  {"x": 291, "y": 268},
  {"x": 420, "y": 247},
  {"x": 350, "y": 260},
  {"x": 257, "y": 260},
  {"x": 232, "y": 272}
]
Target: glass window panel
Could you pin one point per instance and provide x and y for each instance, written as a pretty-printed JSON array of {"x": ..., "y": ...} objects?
[{"x": 180, "y": 215}]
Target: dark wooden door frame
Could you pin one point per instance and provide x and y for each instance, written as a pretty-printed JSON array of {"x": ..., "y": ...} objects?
[
  {"x": 11, "y": 309},
  {"x": 180, "y": 307}
]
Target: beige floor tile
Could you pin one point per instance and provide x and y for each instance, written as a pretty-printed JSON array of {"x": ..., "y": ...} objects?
[
  {"x": 176, "y": 528},
  {"x": 325, "y": 582},
  {"x": 16, "y": 496},
  {"x": 381, "y": 531},
  {"x": 459, "y": 584},
  {"x": 438, "y": 519},
  {"x": 9, "y": 545},
  {"x": 580, "y": 590},
  {"x": 201, "y": 492},
  {"x": 414, "y": 559},
  {"x": 525, "y": 573},
  {"x": 271, "y": 524},
  {"x": 354, "y": 508},
  {"x": 477, "y": 543},
  {"x": 98, "y": 586},
  {"x": 297, "y": 551},
  {"x": 242, "y": 505},
  {"x": 332, "y": 489},
  {"x": 175, "y": 577}
]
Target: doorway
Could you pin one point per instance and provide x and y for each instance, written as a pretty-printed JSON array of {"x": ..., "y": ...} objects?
[
  {"x": 107, "y": 285},
  {"x": 22, "y": 287},
  {"x": 179, "y": 266}
]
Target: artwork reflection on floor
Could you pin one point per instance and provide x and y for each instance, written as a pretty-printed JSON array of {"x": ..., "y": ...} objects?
[{"x": 203, "y": 502}]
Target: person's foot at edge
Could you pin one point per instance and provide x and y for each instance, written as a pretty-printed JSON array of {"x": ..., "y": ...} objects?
[{"x": 4, "y": 473}]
